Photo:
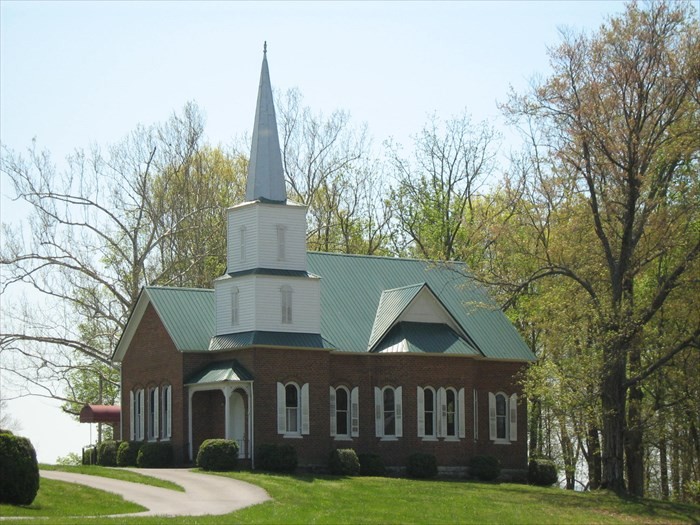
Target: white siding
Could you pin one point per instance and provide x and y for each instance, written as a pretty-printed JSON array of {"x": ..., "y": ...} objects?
[
  {"x": 246, "y": 304},
  {"x": 306, "y": 309},
  {"x": 244, "y": 216},
  {"x": 293, "y": 220},
  {"x": 426, "y": 309}
]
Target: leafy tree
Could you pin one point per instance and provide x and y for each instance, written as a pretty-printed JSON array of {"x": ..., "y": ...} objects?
[{"x": 617, "y": 122}]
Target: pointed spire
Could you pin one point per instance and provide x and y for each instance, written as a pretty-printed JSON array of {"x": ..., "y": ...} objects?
[{"x": 265, "y": 174}]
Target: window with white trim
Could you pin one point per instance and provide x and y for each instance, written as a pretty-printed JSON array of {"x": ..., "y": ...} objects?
[
  {"x": 281, "y": 248},
  {"x": 440, "y": 413},
  {"x": 166, "y": 412},
  {"x": 426, "y": 412},
  {"x": 388, "y": 416},
  {"x": 286, "y": 301},
  {"x": 503, "y": 417},
  {"x": 344, "y": 416},
  {"x": 137, "y": 414},
  {"x": 153, "y": 406},
  {"x": 243, "y": 243},
  {"x": 292, "y": 409},
  {"x": 235, "y": 317}
]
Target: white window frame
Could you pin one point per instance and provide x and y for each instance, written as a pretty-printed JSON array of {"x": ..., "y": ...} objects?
[
  {"x": 301, "y": 415},
  {"x": 424, "y": 412},
  {"x": 235, "y": 303},
  {"x": 286, "y": 302},
  {"x": 166, "y": 412},
  {"x": 153, "y": 414},
  {"x": 459, "y": 414},
  {"x": 380, "y": 413},
  {"x": 137, "y": 414},
  {"x": 281, "y": 242},
  {"x": 242, "y": 250},
  {"x": 510, "y": 418},
  {"x": 352, "y": 415}
]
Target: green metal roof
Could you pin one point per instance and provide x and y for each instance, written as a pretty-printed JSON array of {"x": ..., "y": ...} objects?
[
  {"x": 391, "y": 304},
  {"x": 187, "y": 314},
  {"x": 425, "y": 338},
  {"x": 352, "y": 286},
  {"x": 220, "y": 372},
  {"x": 287, "y": 339}
]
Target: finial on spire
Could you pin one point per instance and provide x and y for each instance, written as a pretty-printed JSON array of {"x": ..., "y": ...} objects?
[{"x": 265, "y": 48}]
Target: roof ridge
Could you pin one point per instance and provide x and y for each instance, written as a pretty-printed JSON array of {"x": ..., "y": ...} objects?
[
  {"x": 416, "y": 285},
  {"x": 387, "y": 257},
  {"x": 178, "y": 288}
]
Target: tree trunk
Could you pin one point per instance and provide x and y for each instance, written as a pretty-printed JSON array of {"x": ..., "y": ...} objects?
[
  {"x": 663, "y": 466},
  {"x": 567, "y": 449},
  {"x": 594, "y": 462},
  {"x": 634, "y": 445},
  {"x": 535, "y": 445},
  {"x": 675, "y": 463},
  {"x": 614, "y": 419}
]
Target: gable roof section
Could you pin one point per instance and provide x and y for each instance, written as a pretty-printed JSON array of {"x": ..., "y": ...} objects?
[
  {"x": 220, "y": 372},
  {"x": 261, "y": 338},
  {"x": 352, "y": 286},
  {"x": 186, "y": 313},
  {"x": 425, "y": 338},
  {"x": 392, "y": 303}
]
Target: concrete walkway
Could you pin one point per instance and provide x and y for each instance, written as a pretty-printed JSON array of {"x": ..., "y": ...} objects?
[{"x": 204, "y": 494}]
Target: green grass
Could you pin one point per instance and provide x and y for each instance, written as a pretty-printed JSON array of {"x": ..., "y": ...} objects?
[
  {"x": 326, "y": 499},
  {"x": 57, "y": 499},
  {"x": 116, "y": 473}
]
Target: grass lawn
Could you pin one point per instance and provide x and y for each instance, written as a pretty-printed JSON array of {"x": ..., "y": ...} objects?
[
  {"x": 57, "y": 499},
  {"x": 116, "y": 473},
  {"x": 326, "y": 499}
]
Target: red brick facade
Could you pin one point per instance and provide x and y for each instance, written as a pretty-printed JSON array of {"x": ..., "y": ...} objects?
[{"x": 152, "y": 360}]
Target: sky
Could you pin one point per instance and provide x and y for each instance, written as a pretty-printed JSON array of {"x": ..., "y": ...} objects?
[{"x": 74, "y": 74}]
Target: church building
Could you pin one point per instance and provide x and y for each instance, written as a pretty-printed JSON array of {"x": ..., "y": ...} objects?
[{"x": 319, "y": 350}]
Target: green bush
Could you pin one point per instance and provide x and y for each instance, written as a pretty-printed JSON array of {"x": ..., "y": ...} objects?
[
  {"x": 485, "y": 468},
  {"x": 371, "y": 465},
  {"x": 218, "y": 454},
  {"x": 19, "y": 470},
  {"x": 90, "y": 455},
  {"x": 277, "y": 458},
  {"x": 542, "y": 472},
  {"x": 127, "y": 453},
  {"x": 155, "y": 455},
  {"x": 421, "y": 466},
  {"x": 107, "y": 453},
  {"x": 344, "y": 462}
]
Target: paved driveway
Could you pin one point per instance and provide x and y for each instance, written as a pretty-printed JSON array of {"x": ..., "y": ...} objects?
[{"x": 204, "y": 493}]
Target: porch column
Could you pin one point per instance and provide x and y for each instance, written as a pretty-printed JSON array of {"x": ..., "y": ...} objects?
[
  {"x": 227, "y": 391},
  {"x": 190, "y": 393}
]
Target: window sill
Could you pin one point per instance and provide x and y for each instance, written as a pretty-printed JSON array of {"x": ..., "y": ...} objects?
[
  {"x": 292, "y": 436},
  {"x": 429, "y": 438},
  {"x": 342, "y": 438},
  {"x": 501, "y": 442},
  {"x": 388, "y": 438},
  {"x": 452, "y": 439}
]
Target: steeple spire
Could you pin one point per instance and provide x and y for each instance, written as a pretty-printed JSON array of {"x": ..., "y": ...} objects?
[{"x": 265, "y": 174}]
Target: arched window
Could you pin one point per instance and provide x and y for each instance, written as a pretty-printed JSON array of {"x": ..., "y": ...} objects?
[
  {"x": 503, "y": 417},
  {"x": 342, "y": 411},
  {"x": 137, "y": 414},
  {"x": 281, "y": 248},
  {"x": 427, "y": 401},
  {"x": 451, "y": 413},
  {"x": 166, "y": 412},
  {"x": 235, "y": 317},
  {"x": 153, "y": 406},
  {"x": 388, "y": 412},
  {"x": 286, "y": 300},
  {"x": 344, "y": 414},
  {"x": 292, "y": 409}
]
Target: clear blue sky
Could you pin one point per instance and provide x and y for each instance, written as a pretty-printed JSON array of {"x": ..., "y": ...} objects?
[{"x": 77, "y": 73}]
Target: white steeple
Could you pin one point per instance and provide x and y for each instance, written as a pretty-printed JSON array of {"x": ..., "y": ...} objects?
[{"x": 265, "y": 174}]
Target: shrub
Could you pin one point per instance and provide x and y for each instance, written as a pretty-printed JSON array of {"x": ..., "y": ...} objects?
[
  {"x": 90, "y": 455},
  {"x": 485, "y": 468},
  {"x": 344, "y": 461},
  {"x": 542, "y": 471},
  {"x": 371, "y": 465},
  {"x": 218, "y": 454},
  {"x": 19, "y": 481},
  {"x": 107, "y": 453},
  {"x": 421, "y": 466},
  {"x": 155, "y": 455},
  {"x": 277, "y": 458},
  {"x": 127, "y": 453}
]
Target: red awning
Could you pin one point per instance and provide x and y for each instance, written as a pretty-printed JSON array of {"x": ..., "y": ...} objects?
[{"x": 100, "y": 414}]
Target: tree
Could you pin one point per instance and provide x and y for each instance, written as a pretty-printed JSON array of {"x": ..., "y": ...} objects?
[
  {"x": 110, "y": 223},
  {"x": 619, "y": 118},
  {"x": 437, "y": 189}
]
